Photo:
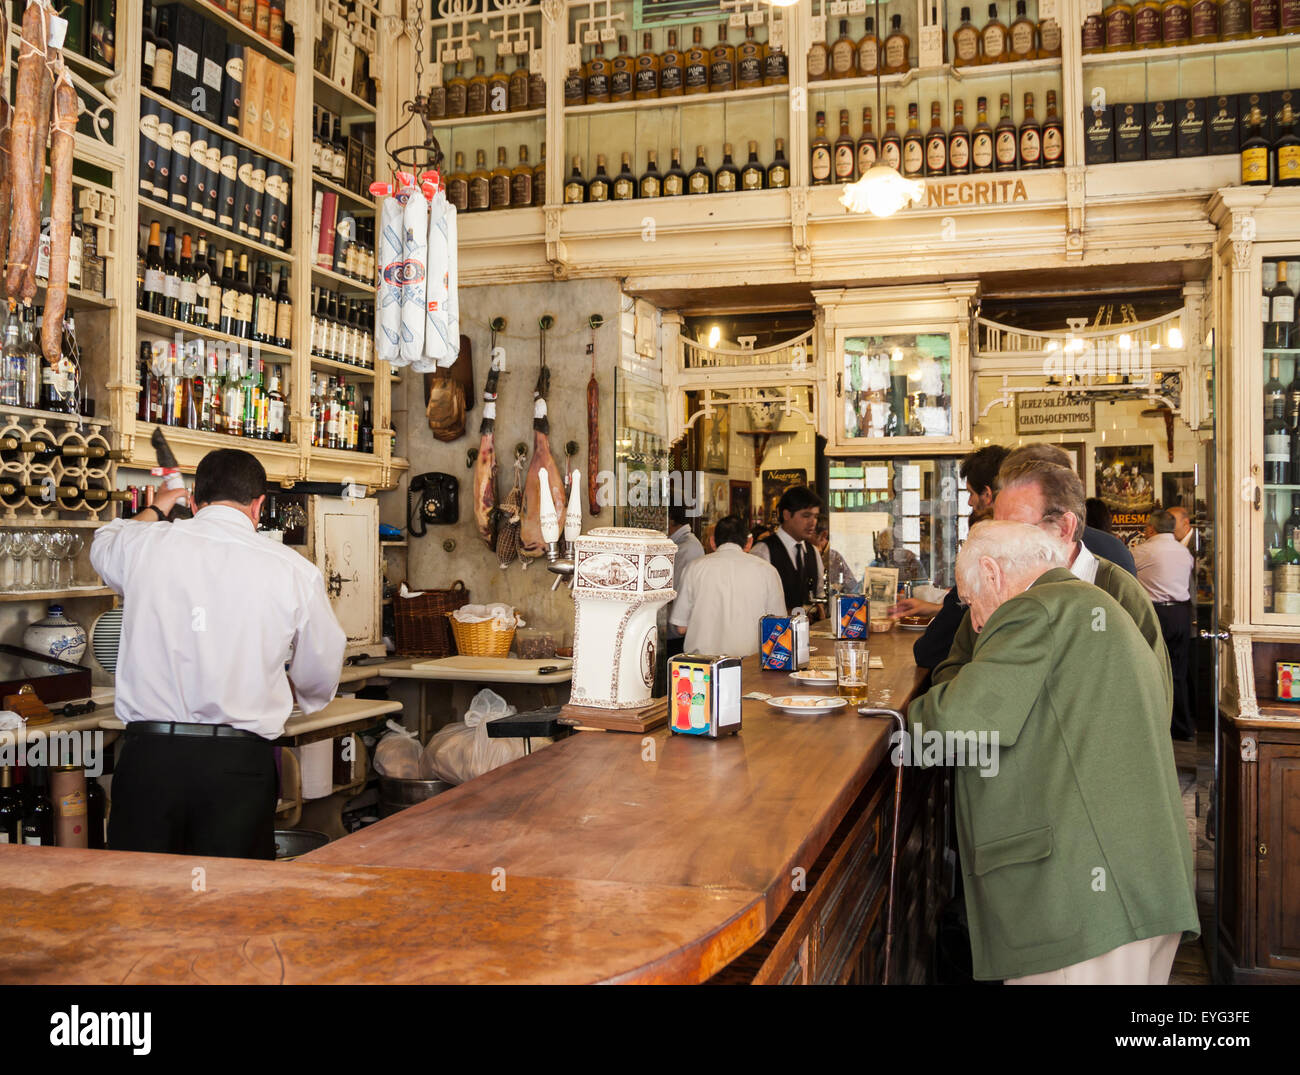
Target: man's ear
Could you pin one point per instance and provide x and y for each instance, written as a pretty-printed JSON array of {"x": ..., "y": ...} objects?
[{"x": 990, "y": 575}]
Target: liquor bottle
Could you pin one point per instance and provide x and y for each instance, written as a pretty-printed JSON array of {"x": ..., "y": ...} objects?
[
  {"x": 11, "y": 810},
  {"x": 891, "y": 143},
  {"x": 171, "y": 276},
  {"x": 283, "y": 312},
  {"x": 38, "y": 820},
  {"x": 1255, "y": 156},
  {"x": 776, "y": 65},
  {"x": 898, "y": 48},
  {"x": 819, "y": 61},
  {"x": 752, "y": 175},
  {"x": 625, "y": 182},
  {"x": 1274, "y": 538},
  {"x": 820, "y": 154},
  {"x": 164, "y": 56},
  {"x": 700, "y": 179},
  {"x": 458, "y": 183},
  {"x": 575, "y": 190},
  {"x": 722, "y": 63},
  {"x": 1277, "y": 445},
  {"x": 913, "y": 145},
  {"x": 214, "y": 291},
  {"x": 1094, "y": 32},
  {"x": 1031, "y": 137},
  {"x": 263, "y": 306},
  {"x": 13, "y": 361},
  {"x": 1049, "y": 38},
  {"x": 1053, "y": 135},
  {"x": 536, "y": 89},
  {"x": 621, "y": 73},
  {"x": 521, "y": 181},
  {"x": 229, "y": 295},
  {"x": 319, "y": 310},
  {"x": 339, "y": 156},
  {"x": 1264, "y": 18},
  {"x": 539, "y": 177},
  {"x": 96, "y": 837},
  {"x": 187, "y": 292},
  {"x": 1146, "y": 24},
  {"x": 598, "y": 187},
  {"x": 517, "y": 90},
  {"x": 778, "y": 172},
  {"x": 936, "y": 144},
  {"x": 1289, "y": 18},
  {"x": 202, "y": 283},
  {"x": 959, "y": 148},
  {"x": 476, "y": 93},
  {"x": 994, "y": 38},
  {"x": 982, "y": 140},
  {"x": 480, "y": 183},
  {"x": 1205, "y": 22},
  {"x": 366, "y": 432},
  {"x": 844, "y": 54},
  {"x": 457, "y": 93},
  {"x": 1022, "y": 35},
  {"x": 646, "y": 83},
  {"x": 499, "y": 182},
  {"x": 1234, "y": 20},
  {"x": 727, "y": 178},
  {"x": 868, "y": 52},
  {"x": 1005, "y": 141},
  {"x": 148, "y": 45},
  {"x": 672, "y": 69},
  {"x": 1176, "y": 22},
  {"x": 154, "y": 294},
  {"x": 1293, "y": 407},
  {"x": 965, "y": 42},
  {"x": 498, "y": 87},
  {"x": 675, "y": 178},
  {"x": 696, "y": 76},
  {"x": 1118, "y": 17},
  {"x": 575, "y": 86},
  {"x": 868, "y": 149},
  {"x": 651, "y": 185},
  {"x": 845, "y": 152},
  {"x": 1278, "y": 330},
  {"x": 750, "y": 57},
  {"x": 1286, "y": 152}
]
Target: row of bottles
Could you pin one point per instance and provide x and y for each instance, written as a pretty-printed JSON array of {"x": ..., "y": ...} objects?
[
  {"x": 520, "y": 90},
  {"x": 504, "y": 187},
  {"x": 187, "y": 287},
  {"x": 1153, "y": 24},
  {"x": 1271, "y": 163},
  {"x": 26, "y": 379},
  {"x": 676, "y": 72},
  {"x": 728, "y": 177},
  {"x": 342, "y": 329},
  {"x": 61, "y": 807},
  {"x": 210, "y": 386},
  {"x": 1280, "y": 331},
  {"x": 938, "y": 151},
  {"x": 337, "y": 421}
]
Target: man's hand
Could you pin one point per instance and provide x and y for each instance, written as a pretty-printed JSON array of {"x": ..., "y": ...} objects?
[
  {"x": 165, "y": 499},
  {"x": 913, "y": 606}
]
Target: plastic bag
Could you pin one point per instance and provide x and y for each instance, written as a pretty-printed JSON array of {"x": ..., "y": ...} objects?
[
  {"x": 462, "y": 751},
  {"x": 398, "y": 754}
]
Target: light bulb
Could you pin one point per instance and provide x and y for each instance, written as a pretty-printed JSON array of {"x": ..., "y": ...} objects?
[
  {"x": 882, "y": 192},
  {"x": 1125, "y": 341},
  {"x": 715, "y": 334},
  {"x": 1176, "y": 339}
]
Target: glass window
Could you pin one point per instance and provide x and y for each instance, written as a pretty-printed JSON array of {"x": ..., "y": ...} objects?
[{"x": 897, "y": 386}]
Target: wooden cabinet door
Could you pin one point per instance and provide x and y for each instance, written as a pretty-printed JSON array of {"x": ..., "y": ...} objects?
[
  {"x": 345, "y": 546},
  {"x": 1277, "y": 862}
]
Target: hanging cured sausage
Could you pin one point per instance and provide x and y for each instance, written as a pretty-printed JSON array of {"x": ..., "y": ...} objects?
[{"x": 27, "y": 154}]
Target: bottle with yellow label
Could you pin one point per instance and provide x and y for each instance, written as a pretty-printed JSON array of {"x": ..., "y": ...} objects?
[
  {"x": 1287, "y": 151},
  {"x": 1255, "y": 155}
]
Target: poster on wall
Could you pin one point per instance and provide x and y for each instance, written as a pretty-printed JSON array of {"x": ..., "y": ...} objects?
[
  {"x": 714, "y": 446},
  {"x": 1077, "y": 450},
  {"x": 776, "y": 482},
  {"x": 1125, "y": 476}
]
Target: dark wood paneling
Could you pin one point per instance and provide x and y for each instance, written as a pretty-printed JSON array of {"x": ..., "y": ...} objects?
[{"x": 1278, "y": 857}]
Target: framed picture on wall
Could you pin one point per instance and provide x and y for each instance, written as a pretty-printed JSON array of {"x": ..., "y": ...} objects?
[
  {"x": 1077, "y": 450},
  {"x": 776, "y": 482},
  {"x": 1178, "y": 489},
  {"x": 742, "y": 499},
  {"x": 714, "y": 446}
]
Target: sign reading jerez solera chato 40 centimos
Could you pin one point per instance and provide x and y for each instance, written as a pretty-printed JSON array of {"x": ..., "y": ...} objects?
[{"x": 1053, "y": 412}]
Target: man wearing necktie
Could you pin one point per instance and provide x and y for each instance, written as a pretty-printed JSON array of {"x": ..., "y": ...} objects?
[{"x": 790, "y": 550}]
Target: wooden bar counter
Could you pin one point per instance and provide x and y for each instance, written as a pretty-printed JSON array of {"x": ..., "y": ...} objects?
[{"x": 604, "y": 857}]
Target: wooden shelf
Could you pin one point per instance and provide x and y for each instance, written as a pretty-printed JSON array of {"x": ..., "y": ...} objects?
[
  {"x": 85, "y": 66},
  {"x": 67, "y": 594},
  {"x": 239, "y": 30},
  {"x": 336, "y": 99},
  {"x": 345, "y": 367},
  {"x": 83, "y": 300},
  {"x": 680, "y": 102},
  {"x": 167, "y": 324},
  {"x": 148, "y": 206},
  {"x": 1178, "y": 52},
  {"x": 356, "y": 199},
  {"x": 973, "y": 73},
  {"x": 507, "y": 117},
  {"x": 337, "y": 278},
  {"x": 179, "y": 436},
  {"x": 217, "y": 128}
]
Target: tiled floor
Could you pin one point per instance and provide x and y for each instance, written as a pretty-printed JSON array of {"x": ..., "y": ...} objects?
[{"x": 1195, "y": 763}]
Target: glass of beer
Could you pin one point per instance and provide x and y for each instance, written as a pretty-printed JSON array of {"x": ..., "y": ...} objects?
[{"x": 851, "y": 669}]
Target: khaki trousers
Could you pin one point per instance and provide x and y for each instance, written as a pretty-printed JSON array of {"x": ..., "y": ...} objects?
[{"x": 1145, "y": 962}]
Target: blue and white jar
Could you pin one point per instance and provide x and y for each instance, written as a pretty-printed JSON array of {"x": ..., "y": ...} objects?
[{"x": 57, "y": 636}]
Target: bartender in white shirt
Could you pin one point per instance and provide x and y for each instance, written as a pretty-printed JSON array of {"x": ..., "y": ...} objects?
[
  {"x": 726, "y": 593},
  {"x": 212, "y": 612},
  {"x": 1165, "y": 571},
  {"x": 790, "y": 547},
  {"x": 689, "y": 550}
]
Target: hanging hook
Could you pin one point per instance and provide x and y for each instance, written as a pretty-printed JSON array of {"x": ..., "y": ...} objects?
[
  {"x": 497, "y": 324},
  {"x": 545, "y": 322},
  {"x": 595, "y": 321}
]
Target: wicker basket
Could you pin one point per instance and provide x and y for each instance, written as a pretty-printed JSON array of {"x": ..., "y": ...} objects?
[
  {"x": 421, "y": 622},
  {"x": 481, "y": 639}
]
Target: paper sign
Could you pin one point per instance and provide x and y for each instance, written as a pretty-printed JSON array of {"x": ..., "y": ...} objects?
[
  {"x": 911, "y": 502},
  {"x": 877, "y": 477},
  {"x": 911, "y": 529},
  {"x": 911, "y": 476}
]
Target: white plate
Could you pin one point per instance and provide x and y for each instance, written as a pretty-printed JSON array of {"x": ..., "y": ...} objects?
[
  {"x": 810, "y": 678},
  {"x": 807, "y": 703},
  {"x": 913, "y": 626}
]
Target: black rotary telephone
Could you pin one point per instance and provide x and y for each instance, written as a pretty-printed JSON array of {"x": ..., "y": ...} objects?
[{"x": 438, "y": 502}]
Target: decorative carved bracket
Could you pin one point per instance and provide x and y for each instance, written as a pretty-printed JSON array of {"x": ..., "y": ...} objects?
[
  {"x": 1075, "y": 188},
  {"x": 556, "y": 251},
  {"x": 1243, "y": 237},
  {"x": 1245, "y": 672},
  {"x": 799, "y": 222}
]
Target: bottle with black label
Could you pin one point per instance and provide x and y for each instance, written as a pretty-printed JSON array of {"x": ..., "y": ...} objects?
[
  {"x": 913, "y": 145},
  {"x": 458, "y": 183},
  {"x": 820, "y": 154},
  {"x": 457, "y": 93},
  {"x": 480, "y": 184},
  {"x": 521, "y": 181},
  {"x": 1031, "y": 137},
  {"x": 597, "y": 77},
  {"x": 625, "y": 182},
  {"x": 776, "y": 66},
  {"x": 868, "y": 148},
  {"x": 700, "y": 179},
  {"x": 651, "y": 185},
  {"x": 499, "y": 182},
  {"x": 646, "y": 83},
  {"x": 38, "y": 820},
  {"x": 749, "y": 61},
  {"x": 232, "y": 87},
  {"x": 621, "y": 73},
  {"x": 164, "y": 55},
  {"x": 11, "y": 808},
  {"x": 675, "y": 177},
  {"x": 727, "y": 178},
  {"x": 1005, "y": 140},
  {"x": 162, "y": 177},
  {"x": 696, "y": 77},
  {"x": 722, "y": 63},
  {"x": 753, "y": 174},
  {"x": 476, "y": 93}
]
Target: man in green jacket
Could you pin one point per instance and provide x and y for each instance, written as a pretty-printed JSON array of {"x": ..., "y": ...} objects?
[{"x": 1074, "y": 846}]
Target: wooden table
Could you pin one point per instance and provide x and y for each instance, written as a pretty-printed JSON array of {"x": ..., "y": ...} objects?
[{"x": 758, "y": 857}]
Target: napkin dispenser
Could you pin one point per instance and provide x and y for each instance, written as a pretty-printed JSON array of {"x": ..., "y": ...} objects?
[
  {"x": 704, "y": 695},
  {"x": 852, "y": 614}
]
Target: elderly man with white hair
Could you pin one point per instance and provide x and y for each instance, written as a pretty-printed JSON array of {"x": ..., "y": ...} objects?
[{"x": 1075, "y": 852}]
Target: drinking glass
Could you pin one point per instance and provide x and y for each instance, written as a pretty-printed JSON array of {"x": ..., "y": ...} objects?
[
  {"x": 43, "y": 554},
  {"x": 76, "y": 541},
  {"x": 851, "y": 656},
  {"x": 23, "y": 545},
  {"x": 6, "y": 559},
  {"x": 58, "y": 540}
]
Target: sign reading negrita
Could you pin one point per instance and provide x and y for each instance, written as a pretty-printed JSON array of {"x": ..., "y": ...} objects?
[{"x": 975, "y": 192}]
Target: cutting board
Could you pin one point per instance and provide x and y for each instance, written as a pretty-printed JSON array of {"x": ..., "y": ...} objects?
[{"x": 501, "y": 668}]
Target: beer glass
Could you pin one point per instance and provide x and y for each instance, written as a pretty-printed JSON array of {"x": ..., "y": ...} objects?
[{"x": 851, "y": 669}]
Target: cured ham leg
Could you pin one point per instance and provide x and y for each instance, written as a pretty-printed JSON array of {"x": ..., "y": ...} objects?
[
  {"x": 530, "y": 531},
  {"x": 485, "y": 466},
  {"x": 6, "y": 167}
]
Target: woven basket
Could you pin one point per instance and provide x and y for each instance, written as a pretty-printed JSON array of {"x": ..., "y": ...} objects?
[
  {"x": 481, "y": 639},
  {"x": 421, "y": 622}
]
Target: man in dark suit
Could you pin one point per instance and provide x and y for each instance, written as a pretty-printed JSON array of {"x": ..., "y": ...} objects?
[{"x": 790, "y": 548}]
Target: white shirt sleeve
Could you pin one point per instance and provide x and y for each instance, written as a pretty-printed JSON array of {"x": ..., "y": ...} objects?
[
  {"x": 113, "y": 549},
  {"x": 681, "y": 614},
  {"x": 761, "y": 550},
  {"x": 318, "y": 647}
]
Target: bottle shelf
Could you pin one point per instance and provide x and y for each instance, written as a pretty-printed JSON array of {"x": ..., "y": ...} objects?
[
  {"x": 1282, "y": 350},
  {"x": 347, "y": 282},
  {"x": 69, "y": 593},
  {"x": 81, "y": 300},
  {"x": 171, "y": 326},
  {"x": 178, "y": 436},
  {"x": 343, "y": 367},
  {"x": 217, "y": 128},
  {"x": 683, "y": 101},
  {"x": 973, "y": 73},
  {"x": 1175, "y": 52},
  {"x": 358, "y": 200},
  {"x": 209, "y": 229},
  {"x": 245, "y": 35},
  {"x": 342, "y": 102},
  {"x": 341, "y": 455},
  {"x": 92, "y": 70},
  {"x": 525, "y": 114}
]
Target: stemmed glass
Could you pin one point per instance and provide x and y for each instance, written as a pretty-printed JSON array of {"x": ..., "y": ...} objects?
[
  {"x": 75, "y": 542},
  {"x": 6, "y": 557},
  {"x": 57, "y": 542},
  {"x": 23, "y": 544},
  {"x": 43, "y": 554}
]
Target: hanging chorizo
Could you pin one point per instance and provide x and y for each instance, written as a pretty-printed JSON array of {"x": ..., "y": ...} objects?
[
  {"x": 26, "y": 159},
  {"x": 56, "y": 294}
]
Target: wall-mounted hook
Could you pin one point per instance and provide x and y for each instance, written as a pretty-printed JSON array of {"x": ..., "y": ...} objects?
[
  {"x": 595, "y": 321},
  {"x": 571, "y": 447},
  {"x": 545, "y": 322},
  {"x": 521, "y": 450},
  {"x": 449, "y": 545},
  {"x": 471, "y": 457},
  {"x": 497, "y": 324}
]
